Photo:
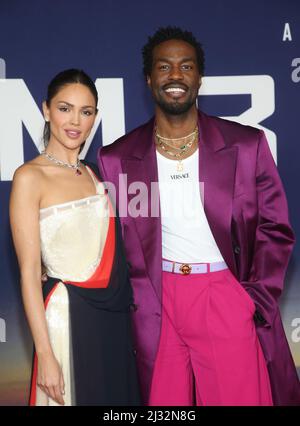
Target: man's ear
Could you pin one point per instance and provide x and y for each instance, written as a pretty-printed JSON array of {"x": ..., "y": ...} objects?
[{"x": 148, "y": 80}]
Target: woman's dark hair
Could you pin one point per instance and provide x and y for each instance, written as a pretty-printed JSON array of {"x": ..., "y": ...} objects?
[
  {"x": 166, "y": 34},
  {"x": 58, "y": 82}
]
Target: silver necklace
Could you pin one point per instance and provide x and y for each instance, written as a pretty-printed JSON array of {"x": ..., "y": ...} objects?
[{"x": 63, "y": 163}]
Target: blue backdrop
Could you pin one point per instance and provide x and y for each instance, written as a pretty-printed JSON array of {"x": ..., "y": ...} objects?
[{"x": 252, "y": 75}]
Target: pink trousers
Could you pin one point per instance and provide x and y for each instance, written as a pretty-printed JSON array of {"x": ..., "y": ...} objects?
[{"x": 209, "y": 353}]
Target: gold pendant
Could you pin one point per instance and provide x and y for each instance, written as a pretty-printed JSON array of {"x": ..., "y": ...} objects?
[{"x": 179, "y": 166}]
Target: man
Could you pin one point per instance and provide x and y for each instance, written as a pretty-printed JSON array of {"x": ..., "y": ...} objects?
[{"x": 207, "y": 279}]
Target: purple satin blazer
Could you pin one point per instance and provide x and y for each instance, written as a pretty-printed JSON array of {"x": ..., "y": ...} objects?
[{"x": 246, "y": 208}]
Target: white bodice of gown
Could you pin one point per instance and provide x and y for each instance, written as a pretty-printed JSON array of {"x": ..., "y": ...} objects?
[{"x": 73, "y": 236}]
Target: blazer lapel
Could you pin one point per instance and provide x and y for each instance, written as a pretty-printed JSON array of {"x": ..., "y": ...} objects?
[
  {"x": 217, "y": 164},
  {"x": 141, "y": 167}
]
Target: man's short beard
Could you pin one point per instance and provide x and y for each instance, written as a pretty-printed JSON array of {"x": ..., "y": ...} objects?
[{"x": 175, "y": 108}]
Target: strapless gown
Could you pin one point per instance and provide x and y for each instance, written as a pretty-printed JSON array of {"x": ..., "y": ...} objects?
[{"x": 88, "y": 300}]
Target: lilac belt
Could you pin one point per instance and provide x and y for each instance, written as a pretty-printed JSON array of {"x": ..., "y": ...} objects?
[{"x": 192, "y": 268}]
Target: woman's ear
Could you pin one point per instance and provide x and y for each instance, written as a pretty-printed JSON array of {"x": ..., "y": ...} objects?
[{"x": 46, "y": 111}]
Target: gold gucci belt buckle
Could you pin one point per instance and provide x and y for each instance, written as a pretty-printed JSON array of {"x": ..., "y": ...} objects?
[{"x": 185, "y": 269}]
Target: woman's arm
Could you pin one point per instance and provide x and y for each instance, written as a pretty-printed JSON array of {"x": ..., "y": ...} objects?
[{"x": 24, "y": 219}]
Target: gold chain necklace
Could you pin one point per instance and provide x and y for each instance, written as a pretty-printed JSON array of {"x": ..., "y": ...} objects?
[
  {"x": 176, "y": 139},
  {"x": 161, "y": 141}
]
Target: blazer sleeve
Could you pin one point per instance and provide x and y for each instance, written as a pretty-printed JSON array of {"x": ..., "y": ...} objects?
[{"x": 274, "y": 238}]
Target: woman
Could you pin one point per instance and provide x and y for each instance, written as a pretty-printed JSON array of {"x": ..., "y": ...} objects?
[{"x": 60, "y": 213}]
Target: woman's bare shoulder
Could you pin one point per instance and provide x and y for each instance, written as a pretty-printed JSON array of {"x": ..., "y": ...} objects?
[
  {"x": 31, "y": 169},
  {"x": 30, "y": 173}
]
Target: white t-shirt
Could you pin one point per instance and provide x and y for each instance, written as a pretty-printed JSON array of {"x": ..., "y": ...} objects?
[{"x": 186, "y": 235}]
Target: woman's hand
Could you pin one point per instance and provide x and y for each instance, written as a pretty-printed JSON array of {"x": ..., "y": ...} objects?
[{"x": 50, "y": 378}]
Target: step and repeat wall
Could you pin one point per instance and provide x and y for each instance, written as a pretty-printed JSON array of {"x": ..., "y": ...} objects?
[{"x": 252, "y": 76}]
